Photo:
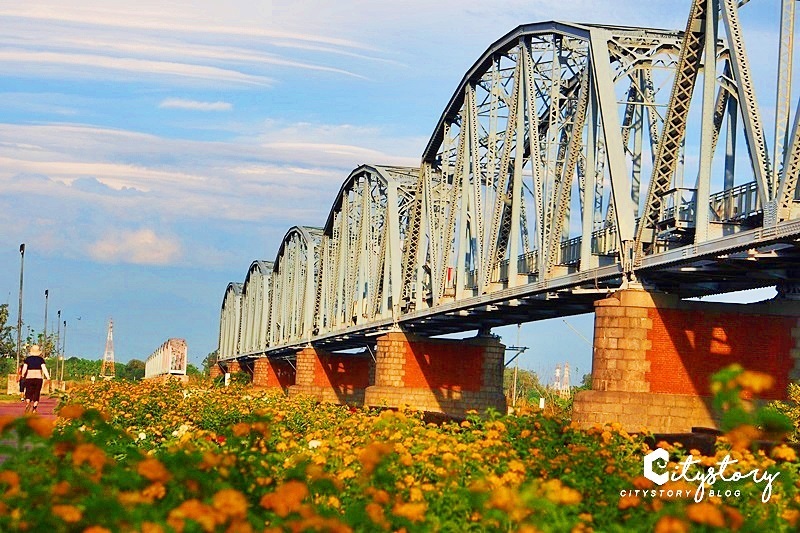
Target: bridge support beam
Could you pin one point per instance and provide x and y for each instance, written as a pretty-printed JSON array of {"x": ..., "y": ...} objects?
[
  {"x": 233, "y": 366},
  {"x": 438, "y": 375},
  {"x": 272, "y": 373},
  {"x": 654, "y": 355},
  {"x": 332, "y": 377}
]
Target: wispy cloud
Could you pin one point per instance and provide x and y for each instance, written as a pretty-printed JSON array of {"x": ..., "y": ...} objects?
[
  {"x": 142, "y": 247},
  {"x": 194, "y": 105}
]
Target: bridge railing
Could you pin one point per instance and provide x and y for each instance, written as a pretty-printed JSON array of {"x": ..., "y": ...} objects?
[{"x": 736, "y": 203}]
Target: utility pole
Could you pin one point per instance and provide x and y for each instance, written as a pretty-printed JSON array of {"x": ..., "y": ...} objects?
[{"x": 19, "y": 309}]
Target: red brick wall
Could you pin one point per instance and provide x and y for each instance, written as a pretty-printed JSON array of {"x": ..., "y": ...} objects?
[
  {"x": 689, "y": 346},
  {"x": 268, "y": 373},
  {"x": 454, "y": 366},
  {"x": 341, "y": 371}
]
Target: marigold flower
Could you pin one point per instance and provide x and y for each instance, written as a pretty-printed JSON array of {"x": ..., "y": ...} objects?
[
  {"x": 627, "y": 501},
  {"x": 11, "y": 479},
  {"x": 71, "y": 411},
  {"x": 741, "y": 437},
  {"x": 41, "y": 426},
  {"x": 151, "y": 527},
  {"x": 153, "y": 470},
  {"x": 792, "y": 516},
  {"x": 60, "y": 489},
  {"x": 193, "y": 509},
  {"x": 411, "y": 511},
  {"x": 372, "y": 454},
  {"x": 784, "y": 453},
  {"x": 89, "y": 453},
  {"x": 5, "y": 420},
  {"x": 67, "y": 513},
  {"x": 735, "y": 518},
  {"x": 286, "y": 499},
  {"x": 705, "y": 513},
  {"x": 230, "y": 502},
  {"x": 556, "y": 492},
  {"x": 155, "y": 491},
  {"x": 670, "y": 524},
  {"x": 755, "y": 382},
  {"x": 96, "y": 529}
]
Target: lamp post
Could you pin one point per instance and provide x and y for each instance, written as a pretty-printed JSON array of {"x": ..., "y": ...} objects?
[
  {"x": 19, "y": 309},
  {"x": 58, "y": 340},
  {"x": 44, "y": 340},
  {"x": 64, "y": 351}
]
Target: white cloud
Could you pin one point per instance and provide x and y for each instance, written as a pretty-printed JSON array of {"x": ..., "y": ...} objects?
[
  {"x": 194, "y": 105},
  {"x": 141, "y": 247}
]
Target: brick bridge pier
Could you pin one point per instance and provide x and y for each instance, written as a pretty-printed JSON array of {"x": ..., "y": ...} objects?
[{"x": 654, "y": 355}]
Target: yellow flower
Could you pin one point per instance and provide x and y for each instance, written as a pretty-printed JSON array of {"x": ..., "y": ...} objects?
[
  {"x": 230, "y": 502},
  {"x": 755, "y": 382},
  {"x": 67, "y": 513},
  {"x": 412, "y": 511},
  {"x": 705, "y": 513},
  {"x": 784, "y": 453}
]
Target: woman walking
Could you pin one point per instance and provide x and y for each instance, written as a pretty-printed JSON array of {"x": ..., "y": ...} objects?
[{"x": 34, "y": 372}]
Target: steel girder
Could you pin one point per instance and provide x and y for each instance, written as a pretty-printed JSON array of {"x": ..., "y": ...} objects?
[{"x": 230, "y": 322}]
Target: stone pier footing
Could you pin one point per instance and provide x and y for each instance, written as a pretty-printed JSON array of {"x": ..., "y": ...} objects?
[{"x": 336, "y": 378}]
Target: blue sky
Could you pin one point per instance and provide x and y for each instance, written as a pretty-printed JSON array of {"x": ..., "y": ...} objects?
[{"x": 150, "y": 151}]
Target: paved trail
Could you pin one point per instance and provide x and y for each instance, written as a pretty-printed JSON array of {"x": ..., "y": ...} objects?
[{"x": 17, "y": 408}]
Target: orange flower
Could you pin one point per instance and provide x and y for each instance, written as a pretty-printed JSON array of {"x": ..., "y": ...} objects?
[
  {"x": 412, "y": 511},
  {"x": 286, "y": 499},
  {"x": 96, "y": 529},
  {"x": 741, "y": 437},
  {"x": 230, "y": 502},
  {"x": 72, "y": 410},
  {"x": 735, "y": 518},
  {"x": 705, "y": 513},
  {"x": 41, "y": 426},
  {"x": 792, "y": 516},
  {"x": 5, "y": 420},
  {"x": 155, "y": 491},
  {"x": 193, "y": 509},
  {"x": 670, "y": 524},
  {"x": 153, "y": 470},
  {"x": 67, "y": 513},
  {"x": 60, "y": 489},
  {"x": 89, "y": 453},
  {"x": 11, "y": 479},
  {"x": 151, "y": 527},
  {"x": 375, "y": 513},
  {"x": 642, "y": 482},
  {"x": 627, "y": 501},
  {"x": 372, "y": 454}
]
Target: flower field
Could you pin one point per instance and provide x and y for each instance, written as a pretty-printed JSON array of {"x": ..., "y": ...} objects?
[{"x": 160, "y": 457}]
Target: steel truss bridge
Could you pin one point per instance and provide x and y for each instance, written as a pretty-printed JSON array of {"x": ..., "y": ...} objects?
[{"x": 571, "y": 160}]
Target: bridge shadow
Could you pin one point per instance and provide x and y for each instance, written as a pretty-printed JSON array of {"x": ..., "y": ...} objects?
[
  {"x": 347, "y": 375},
  {"x": 690, "y": 345}
]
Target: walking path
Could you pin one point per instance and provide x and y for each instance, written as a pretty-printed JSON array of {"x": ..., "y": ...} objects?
[{"x": 46, "y": 408}]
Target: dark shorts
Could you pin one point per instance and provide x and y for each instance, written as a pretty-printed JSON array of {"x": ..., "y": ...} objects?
[
  {"x": 22, "y": 384},
  {"x": 33, "y": 388}
]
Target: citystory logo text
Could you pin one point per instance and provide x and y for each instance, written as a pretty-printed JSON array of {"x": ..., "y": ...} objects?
[{"x": 659, "y": 459}]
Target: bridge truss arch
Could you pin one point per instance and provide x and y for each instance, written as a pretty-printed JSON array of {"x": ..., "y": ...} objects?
[
  {"x": 255, "y": 307},
  {"x": 230, "y": 321},
  {"x": 361, "y": 247},
  {"x": 291, "y": 316}
]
